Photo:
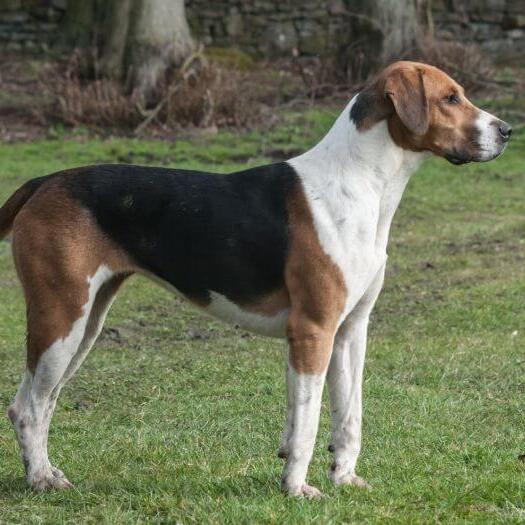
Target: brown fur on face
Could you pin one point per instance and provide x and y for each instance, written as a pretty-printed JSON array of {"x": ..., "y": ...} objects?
[
  {"x": 426, "y": 110},
  {"x": 451, "y": 126}
]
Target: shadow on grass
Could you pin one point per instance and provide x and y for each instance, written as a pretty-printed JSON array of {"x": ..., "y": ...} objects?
[
  {"x": 13, "y": 486},
  {"x": 232, "y": 487}
]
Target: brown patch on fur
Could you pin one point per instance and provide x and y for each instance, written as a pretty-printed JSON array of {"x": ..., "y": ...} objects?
[
  {"x": 270, "y": 304},
  {"x": 56, "y": 246},
  {"x": 317, "y": 291},
  {"x": 14, "y": 204}
]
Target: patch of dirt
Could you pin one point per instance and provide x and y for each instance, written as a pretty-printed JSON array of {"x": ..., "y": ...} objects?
[
  {"x": 479, "y": 244},
  {"x": 118, "y": 335}
]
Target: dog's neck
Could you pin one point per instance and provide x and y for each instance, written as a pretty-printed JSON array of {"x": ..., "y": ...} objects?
[
  {"x": 346, "y": 154},
  {"x": 348, "y": 165}
]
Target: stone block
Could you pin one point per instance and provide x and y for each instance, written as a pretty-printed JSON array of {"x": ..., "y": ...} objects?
[
  {"x": 515, "y": 6},
  {"x": 234, "y": 23},
  {"x": 513, "y": 21},
  {"x": 59, "y": 4},
  {"x": 10, "y": 5},
  {"x": 516, "y": 34},
  {"x": 485, "y": 31},
  {"x": 18, "y": 17},
  {"x": 450, "y": 17},
  {"x": 14, "y": 46},
  {"x": 336, "y": 7},
  {"x": 280, "y": 39}
]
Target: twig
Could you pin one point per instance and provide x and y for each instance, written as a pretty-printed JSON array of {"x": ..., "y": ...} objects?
[{"x": 172, "y": 90}]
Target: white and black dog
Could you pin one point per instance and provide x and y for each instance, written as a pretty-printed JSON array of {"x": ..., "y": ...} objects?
[{"x": 296, "y": 249}]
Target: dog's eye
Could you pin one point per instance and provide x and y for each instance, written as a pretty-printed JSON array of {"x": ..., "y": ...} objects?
[{"x": 452, "y": 99}]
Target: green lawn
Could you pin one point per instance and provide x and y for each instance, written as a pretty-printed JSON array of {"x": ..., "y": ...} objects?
[{"x": 176, "y": 418}]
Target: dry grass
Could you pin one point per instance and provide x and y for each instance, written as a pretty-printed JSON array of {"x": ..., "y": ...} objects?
[{"x": 212, "y": 94}]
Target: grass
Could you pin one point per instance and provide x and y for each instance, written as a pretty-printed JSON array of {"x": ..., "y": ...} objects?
[{"x": 176, "y": 418}]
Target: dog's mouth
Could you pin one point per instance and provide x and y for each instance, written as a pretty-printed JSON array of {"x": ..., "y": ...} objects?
[{"x": 457, "y": 158}]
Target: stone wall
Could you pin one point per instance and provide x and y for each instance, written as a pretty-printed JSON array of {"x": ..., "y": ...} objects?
[
  {"x": 306, "y": 27},
  {"x": 497, "y": 25},
  {"x": 287, "y": 27},
  {"x": 29, "y": 25},
  {"x": 268, "y": 27}
]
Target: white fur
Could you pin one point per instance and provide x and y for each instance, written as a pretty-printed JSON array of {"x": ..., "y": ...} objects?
[
  {"x": 490, "y": 145},
  {"x": 222, "y": 308},
  {"x": 308, "y": 391},
  {"x": 353, "y": 182},
  {"x": 35, "y": 401}
]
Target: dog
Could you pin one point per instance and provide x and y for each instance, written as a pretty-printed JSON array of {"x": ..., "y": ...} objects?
[{"x": 295, "y": 249}]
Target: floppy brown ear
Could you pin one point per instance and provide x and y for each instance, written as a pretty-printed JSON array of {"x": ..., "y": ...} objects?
[{"x": 406, "y": 90}]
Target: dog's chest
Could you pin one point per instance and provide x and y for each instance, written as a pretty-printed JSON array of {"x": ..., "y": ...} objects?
[{"x": 352, "y": 226}]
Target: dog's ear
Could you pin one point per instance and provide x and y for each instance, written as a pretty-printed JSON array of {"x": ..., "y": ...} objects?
[{"x": 405, "y": 88}]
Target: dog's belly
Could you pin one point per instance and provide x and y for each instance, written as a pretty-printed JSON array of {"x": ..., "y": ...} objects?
[
  {"x": 266, "y": 315},
  {"x": 272, "y": 324}
]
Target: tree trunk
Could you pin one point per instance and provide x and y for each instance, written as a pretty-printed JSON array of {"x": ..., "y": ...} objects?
[
  {"x": 158, "y": 38},
  {"x": 380, "y": 31},
  {"x": 137, "y": 41},
  {"x": 77, "y": 25},
  {"x": 115, "y": 30},
  {"x": 400, "y": 22}
]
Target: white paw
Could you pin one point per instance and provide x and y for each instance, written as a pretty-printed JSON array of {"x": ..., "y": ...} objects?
[
  {"x": 50, "y": 479},
  {"x": 304, "y": 491},
  {"x": 351, "y": 479}
]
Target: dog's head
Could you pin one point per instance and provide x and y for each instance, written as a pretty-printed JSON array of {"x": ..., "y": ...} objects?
[{"x": 426, "y": 110}]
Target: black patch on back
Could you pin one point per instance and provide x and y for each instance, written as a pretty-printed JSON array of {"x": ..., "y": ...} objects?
[{"x": 197, "y": 231}]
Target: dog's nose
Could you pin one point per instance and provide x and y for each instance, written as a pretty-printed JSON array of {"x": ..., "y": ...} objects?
[{"x": 505, "y": 131}]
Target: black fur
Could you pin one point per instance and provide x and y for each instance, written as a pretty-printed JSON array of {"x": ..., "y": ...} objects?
[
  {"x": 363, "y": 107},
  {"x": 197, "y": 231},
  {"x": 369, "y": 106}
]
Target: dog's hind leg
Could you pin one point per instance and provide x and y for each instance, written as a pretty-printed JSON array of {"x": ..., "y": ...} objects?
[
  {"x": 51, "y": 365},
  {"x": 70, "y": 273}
]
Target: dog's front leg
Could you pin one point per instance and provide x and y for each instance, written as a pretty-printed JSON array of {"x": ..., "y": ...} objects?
[
  {"x": 310, "y": 349},
  {"x": 345, "y": 377}
]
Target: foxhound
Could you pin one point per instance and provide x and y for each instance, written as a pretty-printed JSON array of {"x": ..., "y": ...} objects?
[{"x": 295, "y": 249}]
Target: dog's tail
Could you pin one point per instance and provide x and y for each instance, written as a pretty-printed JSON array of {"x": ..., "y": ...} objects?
[{"x": 14, "y": 204}]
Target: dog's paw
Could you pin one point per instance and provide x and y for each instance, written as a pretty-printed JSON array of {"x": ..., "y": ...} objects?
[
  {"x": 351, "y": 479},
  {"x": 51, "y": 479},
  {"x": 304, "y": 491},
  {"x": 341, "y": 474}
]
